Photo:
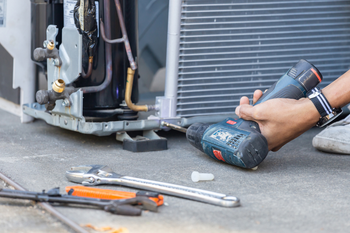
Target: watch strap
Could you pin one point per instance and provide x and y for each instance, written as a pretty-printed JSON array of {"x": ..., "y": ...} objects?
[{"x": 321, "y": 103}]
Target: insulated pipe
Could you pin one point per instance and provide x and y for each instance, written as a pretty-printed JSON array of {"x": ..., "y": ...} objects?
[
  {"x": 108, "y": 54},
  {"x": 172, "y": 58}
]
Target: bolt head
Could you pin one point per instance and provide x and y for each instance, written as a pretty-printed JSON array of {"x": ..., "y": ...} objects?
[
  {"x": 65, "y": 103},
  {"x": 56, "y": 62},
  {"x": 45, "y": 43}
]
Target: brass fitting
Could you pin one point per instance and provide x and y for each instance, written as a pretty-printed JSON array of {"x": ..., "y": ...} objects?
[
  {"x": 128, "y": 90},
  {"x": 50, "y": 45},
  {"x": 58, "y": 86}
]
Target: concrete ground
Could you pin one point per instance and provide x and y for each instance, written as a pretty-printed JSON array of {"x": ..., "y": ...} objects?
[{"x": 297, "y": 189}]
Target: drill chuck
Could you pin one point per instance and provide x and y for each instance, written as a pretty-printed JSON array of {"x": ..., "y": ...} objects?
[{"x": 195, "y": 133}]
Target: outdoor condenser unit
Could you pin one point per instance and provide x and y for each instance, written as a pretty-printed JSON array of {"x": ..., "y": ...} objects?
[
  {"x": 217, "y": 51},
  {"x": 221, "y": 50}
]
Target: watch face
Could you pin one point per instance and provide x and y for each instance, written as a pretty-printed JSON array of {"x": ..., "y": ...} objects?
[{"x": 329, "y": 118}]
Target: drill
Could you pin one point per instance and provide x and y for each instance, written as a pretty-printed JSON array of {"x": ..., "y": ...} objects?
[{"x": 239, "y": 142}]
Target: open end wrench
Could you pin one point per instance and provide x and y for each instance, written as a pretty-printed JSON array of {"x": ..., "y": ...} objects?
[{"x": 101, "y": 174}]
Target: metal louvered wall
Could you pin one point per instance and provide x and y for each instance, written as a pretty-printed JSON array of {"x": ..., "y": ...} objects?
[{"x": 229, "y": 48}]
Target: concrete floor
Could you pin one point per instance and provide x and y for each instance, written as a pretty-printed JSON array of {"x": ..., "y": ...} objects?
[{"x": 297, "y": 189}]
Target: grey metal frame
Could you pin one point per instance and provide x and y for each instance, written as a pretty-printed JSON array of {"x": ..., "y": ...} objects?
[
  {"x": 167, "y": 104},
  {"x": 82, "y": 126}
]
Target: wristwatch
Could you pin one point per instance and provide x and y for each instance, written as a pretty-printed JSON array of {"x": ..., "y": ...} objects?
[{"x": 328, "y": 114}]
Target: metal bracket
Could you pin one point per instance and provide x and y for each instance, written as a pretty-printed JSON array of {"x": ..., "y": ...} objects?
[
  {"x": 80, "y": 125},
  {"x": 70, "y": 52},
  {"x": 74, "y": 109},
  {"x": 71, "y": 55},
  {"x": 165, "y": 107},
  {"x": 51, "y": 33}
]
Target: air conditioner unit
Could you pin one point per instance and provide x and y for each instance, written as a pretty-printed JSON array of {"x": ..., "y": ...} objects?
[
  {"x": 221, "y": 50},
  {"x": 217, "y": 51}
]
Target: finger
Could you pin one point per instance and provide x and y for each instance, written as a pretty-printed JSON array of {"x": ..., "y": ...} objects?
[
  {"x": 245, "y": 111},
  {"x": 237, "y": 110},
  {"x": 257, "y": 95},
  {"x": 244, "y": 100}
]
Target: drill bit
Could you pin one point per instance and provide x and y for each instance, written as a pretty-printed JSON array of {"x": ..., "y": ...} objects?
[{"x": 175, "y": 127}]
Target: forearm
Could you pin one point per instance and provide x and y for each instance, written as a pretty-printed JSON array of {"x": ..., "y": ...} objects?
[
  {"x": 281, "y": 120},
  {"x": 338, "y": 92}
]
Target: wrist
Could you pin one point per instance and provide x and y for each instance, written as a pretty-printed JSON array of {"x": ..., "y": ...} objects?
[
  {"x": 326, "y": 111},
  {"x": 310, "y": 113}
]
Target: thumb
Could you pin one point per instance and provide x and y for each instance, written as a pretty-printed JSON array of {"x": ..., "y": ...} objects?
[{"x": 245, "y": 111}]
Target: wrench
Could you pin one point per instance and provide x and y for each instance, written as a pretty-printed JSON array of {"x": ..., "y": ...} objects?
[{"x": 101, "y": 174}]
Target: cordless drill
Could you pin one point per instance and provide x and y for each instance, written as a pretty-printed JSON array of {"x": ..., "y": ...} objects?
[{"x": 240, "y": 142}]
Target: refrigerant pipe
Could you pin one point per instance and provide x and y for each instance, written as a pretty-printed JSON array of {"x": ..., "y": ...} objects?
[
  {"x": 128, "y": 90},
  {"x": 108, "y": 53}
]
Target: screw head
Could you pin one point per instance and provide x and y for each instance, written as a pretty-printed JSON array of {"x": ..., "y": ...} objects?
[
  {"x": 45, "y": 43},
  {"x": 66, "y": 103},
  {"x": 56, "y": 62}
]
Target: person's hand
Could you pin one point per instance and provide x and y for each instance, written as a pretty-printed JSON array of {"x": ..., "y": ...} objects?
[{"x": 280, "y": 120}]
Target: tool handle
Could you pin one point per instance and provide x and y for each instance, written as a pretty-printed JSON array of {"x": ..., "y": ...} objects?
[
  {"x": 108, "y": 194},
  {"x": 294, "y": 84},
  {"x": 171, "y": 189},
  {"x": 125, "y": 210},
  {"x": 82, "y": 191}
]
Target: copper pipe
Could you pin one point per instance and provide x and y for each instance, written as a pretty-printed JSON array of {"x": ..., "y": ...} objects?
[
  {"x": 128, "y": 90},
  {"x": 88, "y": 74},
  {"x": 115, "y": 41},
  {"x": 108, "y": 55},
  {"x": 124, "y": 39}
]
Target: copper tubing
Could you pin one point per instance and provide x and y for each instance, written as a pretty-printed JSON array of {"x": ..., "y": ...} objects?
[
  {"x": 88, "y": 74},
  {"x": 128, "y": 90},
  {"x": 120, "y": 40},
  {"x": 124, "y": 39},
  {"x": 108, "y": 55}
]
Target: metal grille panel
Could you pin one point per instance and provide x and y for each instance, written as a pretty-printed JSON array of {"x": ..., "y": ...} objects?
[{"x": 229, "y": 48}]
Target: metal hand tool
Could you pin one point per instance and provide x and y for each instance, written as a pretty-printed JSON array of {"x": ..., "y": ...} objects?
[
  {"x": 100, "y": 174},
  {"x": 81, "y": 191},
  {"x": 128, "y": 207},
  {"x": 46, "y": 206}
]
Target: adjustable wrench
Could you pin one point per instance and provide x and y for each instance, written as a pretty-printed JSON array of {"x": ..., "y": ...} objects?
[{"x": 100, "y": 174}]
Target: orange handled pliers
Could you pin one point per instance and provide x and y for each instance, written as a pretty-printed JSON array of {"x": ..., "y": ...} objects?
[{"x": 109, "y": 194}]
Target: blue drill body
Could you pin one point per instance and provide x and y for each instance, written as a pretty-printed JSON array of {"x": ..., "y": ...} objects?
[{"x": 239, "y": 142}]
